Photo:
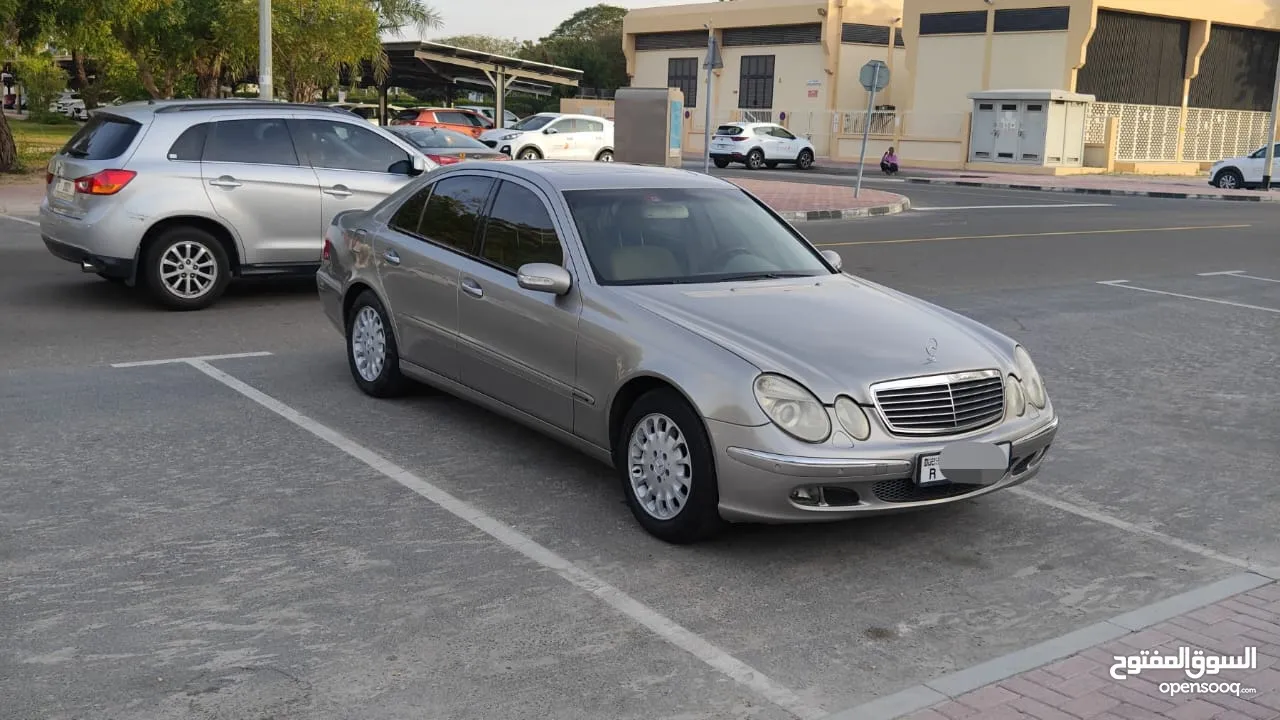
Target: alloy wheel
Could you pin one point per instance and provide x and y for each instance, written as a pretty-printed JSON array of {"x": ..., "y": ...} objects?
[
  {"x": 660, "y": 466},
  {"x": 368, "y": 343},
  {"x": 188, "y": 269}
]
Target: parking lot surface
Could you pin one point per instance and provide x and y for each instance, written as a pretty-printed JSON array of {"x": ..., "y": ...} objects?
[{"x": 252, "y": 537}]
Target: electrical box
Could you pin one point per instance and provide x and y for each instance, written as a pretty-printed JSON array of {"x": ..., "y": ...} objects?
[
  {"x": 648, "y": 126},
  {"x": 1029, "y": 127}
]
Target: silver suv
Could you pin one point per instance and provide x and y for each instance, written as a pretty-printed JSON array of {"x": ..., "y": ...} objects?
[{"x": 182, "y": 196}]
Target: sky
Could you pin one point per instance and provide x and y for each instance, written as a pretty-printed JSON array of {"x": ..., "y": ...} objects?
[{"x": 521, "y": 19}]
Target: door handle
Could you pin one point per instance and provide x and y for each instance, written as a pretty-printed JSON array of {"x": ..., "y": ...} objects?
[
  {"x": 225, "y": 181},
  {"x": 472, "y": 288},
  {"x": 338, "y": 191},
  {"x": 391, "y": 257}
]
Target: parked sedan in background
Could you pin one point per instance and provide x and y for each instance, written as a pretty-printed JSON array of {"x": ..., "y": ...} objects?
[
  {"x": 555, "y": 136},
  {"x": 446, "y": 147},
  {"x": 758, "y": 145},
  {"x": 674, "y": 327}
]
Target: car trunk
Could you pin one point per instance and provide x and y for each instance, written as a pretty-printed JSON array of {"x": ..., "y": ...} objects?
[{"x": 80, "y": 168}]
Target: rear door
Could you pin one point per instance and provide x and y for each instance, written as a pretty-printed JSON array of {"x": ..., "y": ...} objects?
[
  {"x": 457, "y": 120},
  {"x": 356, "y": 166},
  {"x": 100, "y": 144},
  {"x": 258, "y": 185}
]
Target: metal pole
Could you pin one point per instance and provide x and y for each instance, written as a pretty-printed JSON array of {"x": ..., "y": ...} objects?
[
  {"x": 866, "y": 129},
  {"x": 706, "y": 122},
  {"x": 1271, "y": 131},
  {"x": 264, "y": 50}
]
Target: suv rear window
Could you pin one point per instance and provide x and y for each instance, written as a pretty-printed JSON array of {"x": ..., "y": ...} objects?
[
  {"x": 730, "y": 130},
  {"x": 103, "y": 137},
  {"x": 407, "y": 115}
]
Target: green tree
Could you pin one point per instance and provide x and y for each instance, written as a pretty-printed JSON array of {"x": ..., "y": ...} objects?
[
  {"x": 590, "y": 41},
  {"x": 484, "y": 43}
]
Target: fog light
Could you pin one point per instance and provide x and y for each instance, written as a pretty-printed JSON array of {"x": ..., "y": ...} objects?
[{"x": 808, "y": 495}]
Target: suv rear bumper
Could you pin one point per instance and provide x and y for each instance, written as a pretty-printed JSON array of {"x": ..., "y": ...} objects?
[{"x": 112, "y": 267}]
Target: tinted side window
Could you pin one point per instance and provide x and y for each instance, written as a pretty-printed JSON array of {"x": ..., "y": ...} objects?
[
  {"x": 103, "y": 137},
  {"x": 595, "y": 126},
  {"x": 452, "y": 118},
  {"x": 190, "y": 144},
  {"x": 519, "y": 230},
  {"x": 409, "y": 217},
  {"x": 347, "y": 146},
  {"x": 264, "y": 141},
  {"x": 453, "y": 212}
]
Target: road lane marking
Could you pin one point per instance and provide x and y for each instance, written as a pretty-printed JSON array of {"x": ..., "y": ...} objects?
[
  {"x": 1114, "y": 231},
  {"x": 1010, "y": 207},
  {"x": 15, "y": 218},
  {"x": 1125, "y": 284},
  {"x": 198, "y": 358},
  {"x": 1239, "y": 274},
  {"x": 646, "y": 616}
]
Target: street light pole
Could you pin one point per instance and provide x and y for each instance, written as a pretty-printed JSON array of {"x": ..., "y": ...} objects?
[
  {"x": 265, "y": 91},
  {"x": 706, "y": 101},
  {"x": 1271, "y": 130}
]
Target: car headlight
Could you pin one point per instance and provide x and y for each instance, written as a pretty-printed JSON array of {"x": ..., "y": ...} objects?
[
  {"x": 1015, "y": 402},
  {"x": 1030, "y": 377},
  {"x": 510, "y": 136},
  {"x": 792, "y": 408},
  {"x": 852, "y": 418}
]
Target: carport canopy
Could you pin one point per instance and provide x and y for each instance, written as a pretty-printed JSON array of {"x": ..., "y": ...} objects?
[{"x": 419, "y": 63}]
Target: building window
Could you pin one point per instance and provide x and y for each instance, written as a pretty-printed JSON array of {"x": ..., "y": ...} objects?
[
  {"x": 1136, "y": 59},
  {"x": 1237, "y": 70},
  {"x": 972, "y": 22},
  {"x": 682, "y": 74},
  {"x": 672, "y": 40},
  {"x": 1032, "y": 19},
  {"x": 755, "y": 82},
  {"x": 807, "y": 34}
]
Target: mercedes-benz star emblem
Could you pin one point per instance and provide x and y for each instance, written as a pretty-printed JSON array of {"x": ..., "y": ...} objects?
[{"x": 931, "y": 350}]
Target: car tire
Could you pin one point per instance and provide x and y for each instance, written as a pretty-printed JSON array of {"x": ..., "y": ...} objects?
[
  {"x": 662, "y": 427},
  {"x": 805, "y": 160},
  {"x": 605, "y": 156},
  {"x": 1229, "y": 179},
  {"x": 372, "y": 352},
  {"x": 178, "y": 267},
  {"x": 529, "y": 153},
  {"x": 755, "y": 160},
  {"x": 721, "y": 163}
]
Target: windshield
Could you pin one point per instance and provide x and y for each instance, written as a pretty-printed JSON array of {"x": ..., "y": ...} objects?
[
  {"x": 533, "y": 122},
  {"x": 685, "y": 235},
  {"x": 440, "y": 139}
]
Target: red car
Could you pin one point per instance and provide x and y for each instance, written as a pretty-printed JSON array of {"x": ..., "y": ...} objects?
[{"x": 464, "y": 121}]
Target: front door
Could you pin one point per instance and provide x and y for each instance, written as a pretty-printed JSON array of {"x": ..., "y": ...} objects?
[
  {"x": 787, "y": 147},
  {"x": 519, "y": 346},
  {"x": 257, "y": 184},
  {"x": 419, "y": 257},
  {"x": 559, "y": 143},
  {"x": 356, "y": 167},
  {"x": 1008, "y": 141}
]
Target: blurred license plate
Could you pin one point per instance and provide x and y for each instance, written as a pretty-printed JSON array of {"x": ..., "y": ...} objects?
[
  {"x": 64, "y": 189},
  {"x": 929, "y": 471}
]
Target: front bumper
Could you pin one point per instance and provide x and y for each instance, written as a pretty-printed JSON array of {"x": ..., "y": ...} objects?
[{"x": 756, "y": 486}]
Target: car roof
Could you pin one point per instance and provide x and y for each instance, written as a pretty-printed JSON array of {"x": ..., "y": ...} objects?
[
  {"x": 587, "y": 175},
  {"x": 141, "y": 110}
]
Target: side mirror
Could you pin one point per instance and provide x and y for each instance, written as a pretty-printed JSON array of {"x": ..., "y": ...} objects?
[
  {"x": 550, "y": 131},
  {"x": 544, "y": 277},
  {"x": 419, "y": 165},
  {"x": 834, "y": 258}
]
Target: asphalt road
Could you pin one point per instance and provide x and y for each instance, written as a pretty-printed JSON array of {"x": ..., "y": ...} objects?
[{"x": 171, "y": 546}]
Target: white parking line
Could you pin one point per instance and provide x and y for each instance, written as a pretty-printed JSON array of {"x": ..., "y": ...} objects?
[
  {"x": 15, "y": 218},
  {"x": 664, "y": 627},
  {"x": 1012, "y": 207},
  {"x": 198, "y": 358},
  {"x": 1239, "y": 274},
  {"x": 1124, "y": 284}
]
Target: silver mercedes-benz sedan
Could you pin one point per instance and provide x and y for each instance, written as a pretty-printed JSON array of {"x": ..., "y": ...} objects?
[{"x": 671, "y": 325}]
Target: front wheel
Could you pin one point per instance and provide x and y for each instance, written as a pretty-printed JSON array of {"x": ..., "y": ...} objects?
[
  {"x": 372, "y": 352},
  {"x": 187, "y": 269},
  {"x": 1229, "y": 179},
  {"x": 529, "y": 154},
  {"x": 805, "y": 160},
  {"x": 605, "y": 156},
  {"x": 664, "y": 461}
]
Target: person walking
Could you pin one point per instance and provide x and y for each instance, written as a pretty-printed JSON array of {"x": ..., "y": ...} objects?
[{"x": 889, "y": 162}]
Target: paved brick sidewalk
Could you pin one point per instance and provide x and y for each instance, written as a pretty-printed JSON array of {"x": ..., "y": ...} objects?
[
  {"x": 1080, "y": 687},
  {"x": 800, "y": 201}
]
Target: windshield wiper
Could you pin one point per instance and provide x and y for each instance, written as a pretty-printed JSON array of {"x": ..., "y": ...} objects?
[{"x": 763, "y": 275}]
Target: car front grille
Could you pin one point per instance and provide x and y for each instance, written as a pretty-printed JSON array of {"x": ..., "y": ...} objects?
[
  {"x": 490, "y": 143},
  {"x": 941, "y": 404}
]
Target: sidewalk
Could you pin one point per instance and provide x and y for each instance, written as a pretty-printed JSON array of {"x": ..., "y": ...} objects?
[
  {"x": 1071, "y": 677},
  {"x": 801, "y": 202}
]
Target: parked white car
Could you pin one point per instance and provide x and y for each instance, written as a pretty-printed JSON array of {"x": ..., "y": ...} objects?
[
  {"x": 759, "y": 145},
  {"x": 554, "y": 136},
  {"x": 1245, "y": 171}
]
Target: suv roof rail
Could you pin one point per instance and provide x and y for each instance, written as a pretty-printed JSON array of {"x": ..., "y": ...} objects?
[{"x": 170, "y": 106}]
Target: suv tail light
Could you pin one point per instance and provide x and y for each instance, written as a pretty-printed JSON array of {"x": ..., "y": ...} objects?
[
  {"x": 443, "y": 159},
  {"x": 48, "y": 177},
  {"x": 739, "y": 138},
  {"x": 106, "y": 182},
  {"x": 327, "y": 251}
]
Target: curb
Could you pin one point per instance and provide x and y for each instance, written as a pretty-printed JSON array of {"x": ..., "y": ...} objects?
[
  {"x": 902, "y": 205},
  {"x": 1096, "y": 191},
  {"x": 953, "y": 685}
]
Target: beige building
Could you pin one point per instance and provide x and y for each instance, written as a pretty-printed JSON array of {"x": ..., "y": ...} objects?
[{"x": 1177, "y": 84}]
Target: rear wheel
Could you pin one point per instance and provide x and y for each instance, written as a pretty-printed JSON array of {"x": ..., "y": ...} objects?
[
  {"x": 720, "y": 162},
  {"x": 1229, "y": 179},
  {"x": 372, "y": 352},
  {"x": 755, "y": 160},
  {"x": 664, "y": 460},
  {"x": 187, "y": 269}
]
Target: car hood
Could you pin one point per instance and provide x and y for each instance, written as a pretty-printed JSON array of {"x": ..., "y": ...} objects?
[
  {"x": 498, "y": 133},
  {"x": 835, "y": 334}
]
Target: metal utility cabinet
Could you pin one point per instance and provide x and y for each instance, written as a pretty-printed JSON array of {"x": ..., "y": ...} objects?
[
  {"x": 648, "y": 126},
  {"x": 1028, "y": 127}
]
